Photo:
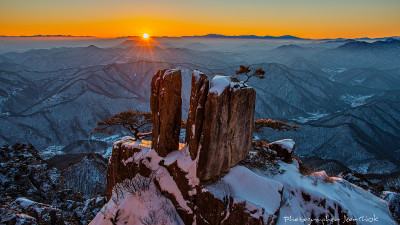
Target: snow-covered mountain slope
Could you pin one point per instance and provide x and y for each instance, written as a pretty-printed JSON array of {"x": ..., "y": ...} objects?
[
  {"x": 314, "y": 195},
  {"x": 371, "y": 77},
  {"x": 62, "y": 107},
  {"x": 364, "y": 138},
  {"x": 55, "y": 97}
]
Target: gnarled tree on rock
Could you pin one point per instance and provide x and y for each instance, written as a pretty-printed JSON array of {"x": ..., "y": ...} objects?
[
  {"x": 137, "y": 123},
  {"x": 245, "y": 70}
]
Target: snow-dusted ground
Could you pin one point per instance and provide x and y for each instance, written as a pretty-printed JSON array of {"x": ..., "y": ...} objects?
[
  {"x": 141, "y": 207},
  {"x": 363, "y": 206},
  {"x": 51, "y": 151},
  {"x": 355, "y": 101},
  {"x": 299, "y": 198},
  {"x": 313, "y": 116},
  {"x": 244, "y": 185},
  {"x": 333, "y": 72}
]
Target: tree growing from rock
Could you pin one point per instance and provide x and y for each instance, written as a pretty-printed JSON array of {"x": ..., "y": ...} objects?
[
  {"x": 264, "y": 158},
  {"x": 260, "y": 124},
  {"x": 137, "y": 123},
  {"x": 245, "y": 70}
]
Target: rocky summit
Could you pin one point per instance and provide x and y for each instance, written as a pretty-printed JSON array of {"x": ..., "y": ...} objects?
[{"x": 214, "y": 180}]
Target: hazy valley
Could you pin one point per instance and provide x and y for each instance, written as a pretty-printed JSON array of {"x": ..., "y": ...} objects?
[{"x": 345, "y": 95}]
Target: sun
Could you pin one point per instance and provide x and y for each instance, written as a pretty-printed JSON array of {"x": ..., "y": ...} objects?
[{"x": 145, "y": 35}]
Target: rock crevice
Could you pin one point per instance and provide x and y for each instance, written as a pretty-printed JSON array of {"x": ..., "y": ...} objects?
[{"x": 166, "y": 107}]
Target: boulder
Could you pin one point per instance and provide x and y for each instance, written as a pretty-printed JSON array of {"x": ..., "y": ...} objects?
[
  {"x": 198, "y": 98},
  {"x": 166, "y": 107},
  {"x": 227, "y": 128},
  {"x": 284, "y": 149}
]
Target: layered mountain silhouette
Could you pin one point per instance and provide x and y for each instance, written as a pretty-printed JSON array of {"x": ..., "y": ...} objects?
[{"x": 345, "y": 98}]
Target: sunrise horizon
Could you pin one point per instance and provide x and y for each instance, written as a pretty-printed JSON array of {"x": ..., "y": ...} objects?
[
  {"x": 306, "y": 19},
  {"x": 206, "y": 35}
]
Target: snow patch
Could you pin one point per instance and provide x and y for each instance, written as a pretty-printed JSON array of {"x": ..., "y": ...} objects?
[
  {"x": 185, "y": 163},
  {"x": 333, "y": 72},
  {"x": 355, "y": 101},
  {"x": 313, "y": 116},
  {"x": 219, "y": 83},
  {"x": 243, "y": 184},
  {"x": 148, "y": 207},
  {"x": 287, "y": 144},
  {"x": 356, "y": 200},
  {"x": 197, "y": 74}
]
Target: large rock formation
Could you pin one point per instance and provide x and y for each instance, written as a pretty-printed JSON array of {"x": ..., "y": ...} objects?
[
  {"x": 198, "y": 98},
  {"x": 187, "y": 186},
  {"x": 174, "y": 176},
  {"x": 166, "y": 106},
  {"x": 228, "y": 127}
]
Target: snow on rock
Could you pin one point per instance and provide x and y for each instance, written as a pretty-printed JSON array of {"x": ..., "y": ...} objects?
[
  {"x": 284, "y": 149},
  {"x": 219, "y": 84},
  {"x": 246, "y": 194},
  {"x": 131, "y": 158},
  {"x": 45, "y": 214},
  {"x": 251, "y": 187},
  {"x": 142, "y": 207},
  {"x": 197, "y": 74},
  {"x": 227, "y": 132},
  {"x": 186, "y": 164},
  {"x": 245, "y": 185},
  {"x": 305, "y": 197}
]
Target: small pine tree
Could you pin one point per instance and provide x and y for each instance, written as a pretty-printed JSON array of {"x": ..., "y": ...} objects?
[
  {"x": 137, "y": 123},
  {"x": 245, "y": 70},
  {"x": 276, "y": 125}
]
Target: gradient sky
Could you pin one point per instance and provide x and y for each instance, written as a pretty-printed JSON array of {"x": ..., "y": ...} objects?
[{"x": 113, "y": 18}]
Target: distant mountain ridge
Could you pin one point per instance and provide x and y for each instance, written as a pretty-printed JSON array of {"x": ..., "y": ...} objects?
[{"x": 54, "y": 97}]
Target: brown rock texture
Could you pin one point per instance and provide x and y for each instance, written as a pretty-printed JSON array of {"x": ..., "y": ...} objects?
[
  {"x": 198, "y": 98},
  {"x": 119, "y": 171},
  {"x": 129, "y": 159},
  {"x": 228, "y": 127},
  {"x": 166, "y": 107}
]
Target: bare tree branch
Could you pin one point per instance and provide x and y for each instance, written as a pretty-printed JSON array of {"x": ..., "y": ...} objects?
[{"x": 137, "y": 123}]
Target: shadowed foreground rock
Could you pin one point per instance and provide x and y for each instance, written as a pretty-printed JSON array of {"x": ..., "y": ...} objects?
[
  {"x": 166, "y": 106},
  {"x": 228, "y": 127}
]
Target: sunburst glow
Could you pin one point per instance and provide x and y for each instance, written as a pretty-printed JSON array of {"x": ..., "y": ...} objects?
[{"x": 145, "y": 35}]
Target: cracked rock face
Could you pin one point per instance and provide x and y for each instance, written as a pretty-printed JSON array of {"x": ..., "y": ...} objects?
[
  {"x": 198, "y": 98},
  {"x": 166, "y": 106},
  {"x": 227, "y": 128}
]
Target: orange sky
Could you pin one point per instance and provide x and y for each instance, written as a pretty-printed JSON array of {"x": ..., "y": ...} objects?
[{"x": 105, "y": 18}]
